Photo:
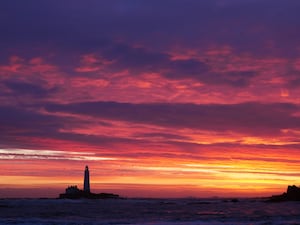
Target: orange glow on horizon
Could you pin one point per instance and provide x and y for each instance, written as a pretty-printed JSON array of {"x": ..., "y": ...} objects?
[
  {"x": 211, "y": 108},
  {"x": 242, "y": 176}
]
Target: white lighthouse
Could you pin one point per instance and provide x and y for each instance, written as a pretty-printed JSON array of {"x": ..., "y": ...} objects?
[{"x": 86, "y": 184}]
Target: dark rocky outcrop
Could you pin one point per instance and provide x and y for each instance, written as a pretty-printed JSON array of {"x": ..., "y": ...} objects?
[
  {"x": 72, "y": 192},
  {"x": 292, "y": 194}
]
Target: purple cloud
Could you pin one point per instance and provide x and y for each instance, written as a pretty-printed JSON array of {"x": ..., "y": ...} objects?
[
  {"x": 246, "y": 26},
  {"x": 249, "y": 118}
]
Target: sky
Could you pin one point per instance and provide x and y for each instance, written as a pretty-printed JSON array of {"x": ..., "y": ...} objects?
[{"x": 173, "y": 98}]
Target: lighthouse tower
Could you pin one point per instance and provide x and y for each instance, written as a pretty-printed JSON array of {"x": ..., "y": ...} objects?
[{"x": 86, "y": 184}]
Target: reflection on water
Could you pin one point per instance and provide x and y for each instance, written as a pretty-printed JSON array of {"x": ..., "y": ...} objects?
[{"x": 148, "y": 211}]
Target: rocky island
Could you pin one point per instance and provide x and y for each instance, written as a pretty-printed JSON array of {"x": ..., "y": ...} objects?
[
  {"x": 73, "y": 192},
  {"x": 292, "y": 194}
]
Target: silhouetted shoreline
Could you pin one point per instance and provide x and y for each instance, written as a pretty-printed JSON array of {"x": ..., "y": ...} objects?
[
  {"x": 73, "y": 192},
  {"x": 89, "y": 195},
  {"x": 292, "y": 194}
]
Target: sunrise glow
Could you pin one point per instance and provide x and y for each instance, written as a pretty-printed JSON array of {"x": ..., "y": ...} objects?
[{"x": 193, "y": 99}]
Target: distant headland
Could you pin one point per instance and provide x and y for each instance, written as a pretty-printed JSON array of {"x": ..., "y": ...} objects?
[
  {"x": 73, "y": 192},
  {"x": 292, "y": 194}
]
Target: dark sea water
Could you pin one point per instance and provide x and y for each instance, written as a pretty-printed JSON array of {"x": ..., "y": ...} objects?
[{"x": 148, "y": 212}]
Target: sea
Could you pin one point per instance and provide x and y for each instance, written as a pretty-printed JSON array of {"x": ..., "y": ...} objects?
[{"x": 190, "y": 211}]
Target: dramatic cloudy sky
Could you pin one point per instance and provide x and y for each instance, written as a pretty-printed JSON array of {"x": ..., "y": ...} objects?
[{"x": 159, "y": 98}]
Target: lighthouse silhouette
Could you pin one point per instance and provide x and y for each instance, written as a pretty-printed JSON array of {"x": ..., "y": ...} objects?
[{"x": 86, "y": 183}]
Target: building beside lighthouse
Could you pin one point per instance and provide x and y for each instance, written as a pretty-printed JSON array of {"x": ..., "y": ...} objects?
[{"x": 73, "y": 192}]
